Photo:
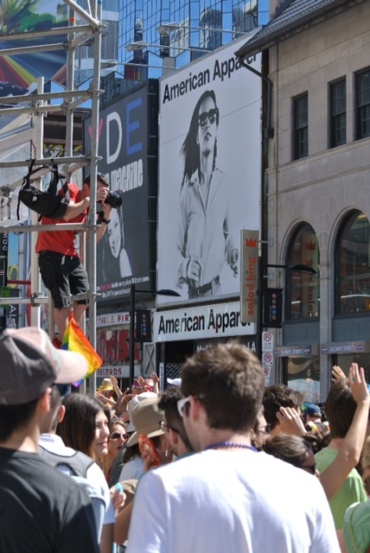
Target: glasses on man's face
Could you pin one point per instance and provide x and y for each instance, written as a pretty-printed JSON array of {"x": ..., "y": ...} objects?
[
  {"x": 181, "y": 404},
  {"x": 165, "y": 427},
  {"x": 116, "y": 435},
  {"x": 211, "y": 115},
  {"x": 309, "y": 468}
]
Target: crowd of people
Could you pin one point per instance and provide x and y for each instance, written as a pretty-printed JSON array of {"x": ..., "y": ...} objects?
[{"x": 212, "y": 463}]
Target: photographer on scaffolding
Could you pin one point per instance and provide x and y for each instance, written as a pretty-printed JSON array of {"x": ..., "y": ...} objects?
[{"x": 60, "y": 267}]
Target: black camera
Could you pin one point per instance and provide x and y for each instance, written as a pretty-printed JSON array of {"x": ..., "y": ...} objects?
[{"x": 114, "y": 200}]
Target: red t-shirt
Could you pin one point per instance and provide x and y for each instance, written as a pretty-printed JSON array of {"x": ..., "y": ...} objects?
[{"x": 63, "y": 241}]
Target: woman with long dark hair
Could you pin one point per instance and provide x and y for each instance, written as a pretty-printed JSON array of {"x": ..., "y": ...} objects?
[
  {"x": 85, "y": 427},
  {"x": 205, "y": 240}
]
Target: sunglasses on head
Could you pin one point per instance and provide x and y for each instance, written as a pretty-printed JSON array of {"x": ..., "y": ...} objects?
[
  {"x": 211, "y": 115},
  {"x": 116, "y": 435}
]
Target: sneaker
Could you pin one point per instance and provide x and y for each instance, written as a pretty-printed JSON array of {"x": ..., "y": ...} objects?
[{"x": 56, "y": 343}]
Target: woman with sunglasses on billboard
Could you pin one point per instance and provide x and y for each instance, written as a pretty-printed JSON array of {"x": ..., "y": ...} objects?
[{"x": 205, "y": 240}]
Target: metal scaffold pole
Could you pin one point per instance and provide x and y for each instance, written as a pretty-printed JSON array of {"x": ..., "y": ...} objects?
[{"x": 36, "y": 107}]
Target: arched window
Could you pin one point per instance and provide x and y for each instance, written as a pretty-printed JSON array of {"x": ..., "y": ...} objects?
[
  {"x": 352, "y": 270},
  {"x": 302, "y": 288}
]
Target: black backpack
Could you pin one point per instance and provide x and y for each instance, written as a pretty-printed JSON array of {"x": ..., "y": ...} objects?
[
  {"x": 49, "y": 203},
  {"x": 77, "y": 464}
]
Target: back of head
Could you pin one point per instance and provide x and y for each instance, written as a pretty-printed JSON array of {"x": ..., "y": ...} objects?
[
  {"x": 288, "y": 448},
  {"x": 30, "y": 364},
  {"x": 340, "y": 407},
  {"x": 276, "y": 396},
  {"x": 228, "y": 380}
]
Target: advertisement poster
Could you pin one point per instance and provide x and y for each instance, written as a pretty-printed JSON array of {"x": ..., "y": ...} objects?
[
  {"x": 19, "y": 72},
  {"x": 209, "y": 175},
  {"x": 123, "y": 255}
]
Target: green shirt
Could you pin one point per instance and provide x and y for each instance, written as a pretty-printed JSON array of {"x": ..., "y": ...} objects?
[{"x": 352, "y": 490}]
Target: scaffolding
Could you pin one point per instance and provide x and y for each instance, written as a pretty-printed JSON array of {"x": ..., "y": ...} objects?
[{"x": 34, "y": 107}]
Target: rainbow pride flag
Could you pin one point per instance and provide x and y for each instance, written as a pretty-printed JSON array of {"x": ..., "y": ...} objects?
[{"x": 75, "y": 340}]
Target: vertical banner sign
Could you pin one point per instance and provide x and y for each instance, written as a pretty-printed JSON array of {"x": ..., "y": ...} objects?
[{"x": 249, "y": 276}]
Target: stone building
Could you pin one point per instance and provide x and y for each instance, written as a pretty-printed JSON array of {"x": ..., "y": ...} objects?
[{"x": 316, "y": 75}]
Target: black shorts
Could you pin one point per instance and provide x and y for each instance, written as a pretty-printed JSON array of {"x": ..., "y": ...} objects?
[{"x": 64, "y": 276}]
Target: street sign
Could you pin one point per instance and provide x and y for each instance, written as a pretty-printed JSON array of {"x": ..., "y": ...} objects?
[{"x": 267, "y": 341}]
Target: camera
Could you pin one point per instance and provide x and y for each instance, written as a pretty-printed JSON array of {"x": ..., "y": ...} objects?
[{"x": 114, "y": 200}]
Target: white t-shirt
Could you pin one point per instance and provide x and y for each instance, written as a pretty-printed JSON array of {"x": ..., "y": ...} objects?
[
  {"x": 94, "y": 474},
  {"x": 133, "y": 469},
  {"x": 223, "y": 501}
]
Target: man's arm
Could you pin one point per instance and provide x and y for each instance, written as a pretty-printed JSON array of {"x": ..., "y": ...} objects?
[
  {"x": 349, "y": 452},
  {"x": 104, "y": 222},
  {"x": 76, "y": 209}
]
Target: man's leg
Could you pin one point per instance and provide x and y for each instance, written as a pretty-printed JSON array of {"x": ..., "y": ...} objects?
[
  {"x": 78, "y": 310},
  {"x": 61, "y": 320}
]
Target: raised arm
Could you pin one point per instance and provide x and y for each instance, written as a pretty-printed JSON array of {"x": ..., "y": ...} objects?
[{"x": 349, "y": 452}]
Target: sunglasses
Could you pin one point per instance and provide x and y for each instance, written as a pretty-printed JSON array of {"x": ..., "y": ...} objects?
[
  {"x": 181, "y": 404},
  {"x": 116, "y": 435},
  {"x": 211, "y": 115},
  {"x": 309, "y": 468}
]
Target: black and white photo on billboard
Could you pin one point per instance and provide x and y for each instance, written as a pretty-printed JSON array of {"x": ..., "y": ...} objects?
[
  {"x": 205, "y": 238},
  {"x": 122, "y": 256},
  {"x": 115, "y": 264},
  {"x": 209, "y": 175}
]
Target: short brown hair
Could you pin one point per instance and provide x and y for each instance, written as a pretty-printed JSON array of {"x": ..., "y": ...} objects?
[
  {"x": 276, "y": 396},
  {"x": 229, "y": 381}
]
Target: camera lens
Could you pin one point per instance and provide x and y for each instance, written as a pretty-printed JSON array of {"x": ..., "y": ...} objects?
[{"x": 114, "y": 200}]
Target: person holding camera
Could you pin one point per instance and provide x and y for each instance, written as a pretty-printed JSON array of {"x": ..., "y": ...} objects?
[{"x": 60, "y": 267}]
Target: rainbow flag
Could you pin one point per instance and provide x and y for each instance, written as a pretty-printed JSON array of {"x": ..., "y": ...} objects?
[{"x": 75, "y": 340}]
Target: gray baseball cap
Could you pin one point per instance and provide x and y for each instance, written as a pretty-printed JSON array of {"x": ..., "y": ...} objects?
[{"x": 29, "y": 364}]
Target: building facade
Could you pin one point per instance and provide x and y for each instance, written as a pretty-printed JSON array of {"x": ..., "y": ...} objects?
[{"x": 317, "y": 175}]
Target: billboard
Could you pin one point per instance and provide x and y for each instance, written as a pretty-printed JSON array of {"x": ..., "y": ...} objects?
[
  {"x": 209, "y": 175},
  {"x": 124, "y": 255},
  {"x": 18, "y": 72}
]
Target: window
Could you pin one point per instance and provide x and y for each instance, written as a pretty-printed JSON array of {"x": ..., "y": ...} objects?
[
  {"x": 300, "y": 126},
  {"x": 302, "y": 288},
  {"x": 363, "y": 104},
  {"x": 338, "y": 113},
  {"x": 352, "y": 261}
]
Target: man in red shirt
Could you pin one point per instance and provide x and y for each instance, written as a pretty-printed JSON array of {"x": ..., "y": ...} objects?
[{"x": 61, "y": 269}]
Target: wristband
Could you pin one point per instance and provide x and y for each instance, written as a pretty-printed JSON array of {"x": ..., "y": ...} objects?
[{"x": 104, "y": 220}]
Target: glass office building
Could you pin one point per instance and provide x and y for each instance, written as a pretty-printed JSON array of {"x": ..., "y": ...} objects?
[{"x": 173, "y": 33}]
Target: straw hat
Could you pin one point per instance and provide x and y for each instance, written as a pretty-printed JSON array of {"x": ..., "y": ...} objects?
[
  {"x": 146, "y": 418},
  {"x": 106, "y": 386}
]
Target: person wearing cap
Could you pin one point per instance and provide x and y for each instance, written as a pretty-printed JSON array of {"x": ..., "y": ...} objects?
[
  {"x": 42, "y": 510},
  {"x": 133, "y": 463},
  {"x": 227, "y": 497},
  {"x": 61, "y": 270},
  {"x": 313, "y": 418},
  {"x": 105, "y": 393},
  {"x": 147, "y": 419}
]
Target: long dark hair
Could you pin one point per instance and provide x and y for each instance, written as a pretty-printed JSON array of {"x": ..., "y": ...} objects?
[
  {"x": 189, "y": 149},
  {"x": 77, "y": 429}
]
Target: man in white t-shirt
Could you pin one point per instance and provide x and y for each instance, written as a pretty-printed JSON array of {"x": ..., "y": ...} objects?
[{"x": 228, "y": 497}]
